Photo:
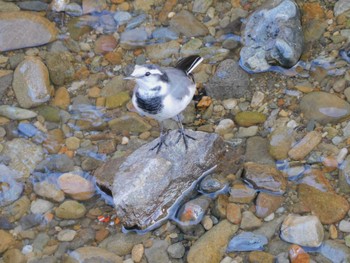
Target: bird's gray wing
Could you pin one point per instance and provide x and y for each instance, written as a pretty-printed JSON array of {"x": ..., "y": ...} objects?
[{"x": 179, "y": 82}]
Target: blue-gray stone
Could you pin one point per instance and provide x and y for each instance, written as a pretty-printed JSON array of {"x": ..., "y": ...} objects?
[
  {"x": 11, "y": 189},
  {"x": 134, "y": 38},
  {"x": 164, "y": 33},
  {"x": 247, "y": 241},
  {"x": 335, "y": 251},
  {"x": 272, "y": 36},
  {"x": 33, "y": 5},
  {"x": 27, "y": 129},
  {"x": 136, "y": 21},
  {"x": 122, "y": 17}
]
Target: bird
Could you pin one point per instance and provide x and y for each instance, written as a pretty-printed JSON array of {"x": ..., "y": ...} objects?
[{"x": 164, "y": 92}]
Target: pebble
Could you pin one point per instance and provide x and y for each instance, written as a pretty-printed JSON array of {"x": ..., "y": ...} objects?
[
  {"x": 48, "y": 190},
  {"x": 247, "y": 132},
  {"x": 280, "y": 142},
  {"x": 302, "y": 230},
  {"x": 324, "y": 107},
  {"x": 73, "y": 143},
  {"x": 76, "y": 186},
  {"x": 240, "y": 193},
  {"x": 249, "y": 118},
  {"x": 129, "y": 122},
  {"x": 90, "y": 254},
  {"x": 15, "y": 113},
  {"x": 260, "y": 256},
  {"x": 14, "y": 255},
  {"x": 66, "y": 235},
  {"x": 163, "y": 50},
  {"x": 157, "y": 253},
  {"x": 60, "y": 67},
  {"x": 265, "y": 177},
  {"x": 62, "y": 98},
  {"x": 7, "y": 240},
  {"x": 186, "y": 23},
  {"x": 250, "y": 221},
  {"x": 70, "y": 210},
  {"x": 209, "y": 247},
  {"x": 344, "y": 226},
  {"x": 25, "y": 29},
  {"x": 27, "y": 129},
  {"x": 233, "y": 213},
  {"x": 137, "y": 253},
  {"x": 247, "y": 241},
  {"x": 266, "y": 204},
  {"x": 225, "y": 126},
  {"x": 207, "y": 223},
  {"x": 41, "y": 206},
  {"x": 176, "y": 250},
  {"x": 305, "y": 145}
]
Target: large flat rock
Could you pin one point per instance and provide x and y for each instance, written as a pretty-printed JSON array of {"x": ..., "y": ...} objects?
[
  {"x": 24, "y": 29},
  {"x": 147, "y": 184}
]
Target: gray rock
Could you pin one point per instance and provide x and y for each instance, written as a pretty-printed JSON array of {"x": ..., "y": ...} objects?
[
  {"x": 250, "y": 221},
  {"x": 133, "y": 38},
  {"x": 229, "y": 81},
  {"x": 257, "y": 151},
  {"x": 344, "y": 176},
  {"x": 40, "y": 242},
  {"x": 31, "y": 83},
  {"x": 40, "y": 206},
  {"x": 8, "y": 7},
  {"x": 302, "y": 230},
  {"x": 94, "y": 254},
  {"x": 147, "y": 184},
  {"x": 268, "y": 229},
  {"x": 24, "y": 155},
  {"x": 56, "y": 163},
  {"x": 335, "y": 251},
  {"x": 157, "y": 253},
  {"x": 15, "y": 113},
  {"x": 341, "y": 7},
  {"x": 164, "y": 34},
  {"x": 176, "y": 250},
  {"x": 122, "y": 17},
  {"x": 24, "y": 29},
  {"x": 60, "y": 67},
  {"x": 185, "y": 23},
  {"x": 247, "y": 241},
  {"x": 122, "y": 244},
  {"x": 73, "y": 9},
  {"x": 272, "y": 35}
]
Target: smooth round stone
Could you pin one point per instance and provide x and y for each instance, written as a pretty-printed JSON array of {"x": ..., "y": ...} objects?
[
  {"x": 70, "y": 210},
  {"x": 249, "y": 118},
  {"x": 280, "y": 142},
  {"x": 240, "y": 193},
  {"x": 73, "y": 143},
  {"x": 117, "y": 100},
  {"x": 324, "y": 107},
  {"x": 250, "y": 221},
  {"x": 344, "y": 226},
  {"x": 233, "y": 213},
  {"x": 27, "y": 129},
  {"x": 302, "y": 230},
  {"x": 193, "y": 211},
  {"x": 247, "y": 241},
  {"x": 15, "y": 113},
  {"x": 266, "y": 204},
  {"x": 305, "y": 145},
  {"x": 54, "y": 141},
  {"x": 48, "y": 190},
  {"x": 186, "y": 23},
  {"x": 122, "y": 17},
  {"x": 40, "y": 206},
  {"x": 163, "y": 50},
  {"x": 225, "y": 126},
  {"x": 76, "y": 186},
  {"x": 66, "y": 235},
  {"x": 62, "y": 98},
  {"x": 105, "y": 43},
  {"x": 137, "y": 252},
  {"x": 31, "y": 83},
  {"x": 94, "y": 254},
  {"x": 176, "y": 250},
  {"x": 207, "y": 222}
]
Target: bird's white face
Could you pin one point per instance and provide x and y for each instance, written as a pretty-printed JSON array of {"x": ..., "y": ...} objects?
[{"x": 148, "y": 78}]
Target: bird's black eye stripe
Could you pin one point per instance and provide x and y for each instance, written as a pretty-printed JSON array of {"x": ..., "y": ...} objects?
[{"x": 147, "y": 73}]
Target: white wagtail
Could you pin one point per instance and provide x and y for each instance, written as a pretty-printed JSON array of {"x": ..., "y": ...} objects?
[{"x": 163, "y": 93}]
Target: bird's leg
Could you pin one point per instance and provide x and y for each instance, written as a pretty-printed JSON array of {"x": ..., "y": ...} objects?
[
  {"x": 162, "y": 137},
  {"x": 182, "y": 133}
]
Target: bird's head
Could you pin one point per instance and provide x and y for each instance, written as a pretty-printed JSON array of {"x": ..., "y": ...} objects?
[{"x": 148, "y": 76}]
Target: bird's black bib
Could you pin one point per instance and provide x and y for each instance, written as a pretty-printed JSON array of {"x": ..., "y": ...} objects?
[{"x": 151, "y": 105}]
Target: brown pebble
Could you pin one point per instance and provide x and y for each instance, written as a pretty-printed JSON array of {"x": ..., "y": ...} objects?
[
  {"x": 305, "y": 146},
  {"x": 233, "y": 213},
  {"x": 101, "y": 235},
  {"x": 62, "y": 98},
  {"x": 94, "y": 92},
  {"x": 260, "y": 257},
  {"x": 137, "y": 253},
  {"x": 333, "y": 232}
]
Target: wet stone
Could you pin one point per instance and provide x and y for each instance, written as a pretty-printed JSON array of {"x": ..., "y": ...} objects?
[
  {"x": 14, "y": 255},
  {"x": 301, "y": 149},
  {"x": 170, "y": 165},
  {"x": 233, "y": 213},
  {"x": 91, "y": 254},
  {"x": 33, "y": 5},
  {"x": 129, "y": 122},
  {"x": 70, "y": 210},
  {"x": 105, "y": 43},
  {"x": 265, "y": 177},
  {"x": 53, "y": 141},
  {"x": 22, "y": 29},
  {"x": 176, "y": 250},
  {"x": 48, "y": 190},
  {"x": 280, "y": 142},
  {"x": 247, "y": 241},
  {"x": 229, "y": 81},
  {"x": 10, "y": 189},
  {"x": 257, "y": 151},
  {"x": 250, "y": 221},
  {"x": 6, "y": 77},
  {"x": 324, "y": 107},
  {"x": 249, "y": 118},
  {"x": 24, "y": 155},
  {"x": 210, "y": 247},
  {"x": 340, "y": 7},
  {"x": 157, "y": 253},
  {"x": 328, "y": 206},
  {"x": 260, "y": 257},
  {"x": 335, "y": 251},
  {"x": 240, "y": 193},
  {"x": 185, "y": 23},
  {"x": 15, "y": 113},
  {"x": 267, "y": 204},
  {"x": 7, "y": 240},
  {"x": 76, "y": 186},
  {"x": 40, "y": 206},
  {"x": 27, "y": 129},
  {"x": 133, "y": 38},
  {"x": 62, "y": 98},
  {"x": 163, "y": 50},
  {"x": 268, "y": 39},
  {"x": 302, "y": 230},
  {"x": 137, "y": 253},
  {"x": 60, "y": 67}
]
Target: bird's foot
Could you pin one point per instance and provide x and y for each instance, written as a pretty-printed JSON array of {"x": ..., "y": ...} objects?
[
  {"x": 185, "y": 137},
  {"x": 160, "y": 143}
]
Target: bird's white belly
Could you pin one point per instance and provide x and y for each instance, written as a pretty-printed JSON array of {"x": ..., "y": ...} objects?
[{"x": 172, "y": 107}]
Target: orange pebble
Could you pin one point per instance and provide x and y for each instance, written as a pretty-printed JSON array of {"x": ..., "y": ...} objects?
[
  {"x": 298, "y": 255},
  {"x": 204, "y": 102}
]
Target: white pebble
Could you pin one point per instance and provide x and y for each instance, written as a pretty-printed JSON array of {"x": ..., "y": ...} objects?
[
  {"x": 171, "y": 14},
  {"x": 270, "y": 217},
  {"x": 27, "y": 249},
  {"x": 342, "y": 154},
  {"x": 344, "y": 226},
  {"x": 125, "y": 140}
]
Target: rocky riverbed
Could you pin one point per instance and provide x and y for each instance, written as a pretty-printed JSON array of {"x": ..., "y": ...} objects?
[{"x": 268, "y": 178}]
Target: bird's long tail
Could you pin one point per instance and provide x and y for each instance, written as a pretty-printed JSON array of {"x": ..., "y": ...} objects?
[{"x": 188, "y": 64}]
